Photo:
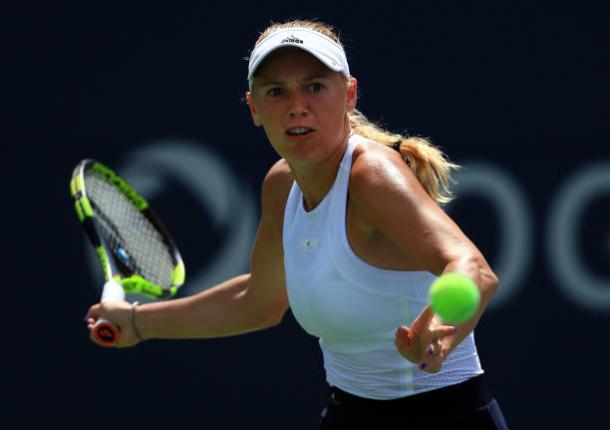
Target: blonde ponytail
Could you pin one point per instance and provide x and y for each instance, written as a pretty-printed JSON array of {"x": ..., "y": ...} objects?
[{"x": 431, "y": 167}]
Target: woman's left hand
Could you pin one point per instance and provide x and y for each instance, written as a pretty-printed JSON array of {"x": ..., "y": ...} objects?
[{"x": 427, "y": 342}]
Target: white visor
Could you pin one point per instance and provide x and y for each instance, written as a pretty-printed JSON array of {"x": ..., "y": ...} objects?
[{"x": 329, "y": 52}]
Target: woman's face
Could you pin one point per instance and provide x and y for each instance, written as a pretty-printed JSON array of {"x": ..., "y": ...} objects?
[{"x": 302, "y": 105}]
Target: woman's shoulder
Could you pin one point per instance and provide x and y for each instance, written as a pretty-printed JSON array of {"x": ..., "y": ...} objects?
[
  {"x": 382, "y": 187},
  {"x": 279, "y": 177},
  {"x": 375, "y": 164},
  {"x": 368, "y": 151},
  {"x": 275, "y": 190}
]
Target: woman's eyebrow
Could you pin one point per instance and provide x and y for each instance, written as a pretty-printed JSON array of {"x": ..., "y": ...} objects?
[
  {"x": 264, "y": 82},
  {"x": 267, "y": 82},
  {"x": 315, "y": 77}
]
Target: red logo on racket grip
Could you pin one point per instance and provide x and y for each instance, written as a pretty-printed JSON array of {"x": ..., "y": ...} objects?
[{"x": 106, "y": 334}]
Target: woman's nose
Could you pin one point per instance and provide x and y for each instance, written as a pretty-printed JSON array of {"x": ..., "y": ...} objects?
[{"x": 298, "y": 105}]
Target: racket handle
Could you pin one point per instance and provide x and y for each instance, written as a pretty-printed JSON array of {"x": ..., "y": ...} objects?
[
  {"x": 113, "y": 292},
  {"x": 104, "y": 331}
]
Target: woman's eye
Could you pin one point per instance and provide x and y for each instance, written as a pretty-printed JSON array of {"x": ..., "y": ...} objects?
[
  {"x": 274, "y": 92},
  {"x": 316, "y": 87}
]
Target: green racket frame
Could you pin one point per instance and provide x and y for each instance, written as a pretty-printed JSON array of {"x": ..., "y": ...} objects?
[{"x": 131, "y": 282}]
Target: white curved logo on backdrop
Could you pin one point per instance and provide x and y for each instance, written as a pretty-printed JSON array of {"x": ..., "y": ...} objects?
[
  {"x": 515, "y": 249},
  {"x": 565, "y": 216},
  {"x": 216, "y": 189}
]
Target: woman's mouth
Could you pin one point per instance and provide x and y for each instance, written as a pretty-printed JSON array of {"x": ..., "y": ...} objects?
[{"x": 299, "y": 131}]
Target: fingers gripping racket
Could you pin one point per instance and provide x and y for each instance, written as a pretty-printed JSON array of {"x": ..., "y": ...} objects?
[{"x": 135, "y": 250}]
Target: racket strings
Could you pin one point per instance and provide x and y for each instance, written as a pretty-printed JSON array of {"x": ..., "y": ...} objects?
[{"x": 133, "y": 239}]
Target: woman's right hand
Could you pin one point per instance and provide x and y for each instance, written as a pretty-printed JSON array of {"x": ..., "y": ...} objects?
[
  {"x": 119, "y": 314},
  {"x": 427, "y": 342}
]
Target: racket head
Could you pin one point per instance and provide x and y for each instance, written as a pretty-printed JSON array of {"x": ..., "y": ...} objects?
[{"x": 133, "y": 247}]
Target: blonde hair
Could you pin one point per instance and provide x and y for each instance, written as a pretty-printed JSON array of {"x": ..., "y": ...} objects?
[
  {"x": 428, "y": 163},
  {"x": 325, "y": 29}
]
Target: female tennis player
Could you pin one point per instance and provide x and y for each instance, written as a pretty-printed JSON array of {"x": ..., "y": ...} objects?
[{"x": 351, "y": 236}]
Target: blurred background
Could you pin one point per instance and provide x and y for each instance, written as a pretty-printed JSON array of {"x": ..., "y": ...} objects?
[{"x": 516, "y": 92}]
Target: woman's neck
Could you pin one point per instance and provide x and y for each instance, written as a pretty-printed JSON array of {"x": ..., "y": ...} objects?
[{"x": 315, "y": 180}]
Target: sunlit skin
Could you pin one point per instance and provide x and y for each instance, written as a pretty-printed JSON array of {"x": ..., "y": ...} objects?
[{"x": 291, "y": 90}]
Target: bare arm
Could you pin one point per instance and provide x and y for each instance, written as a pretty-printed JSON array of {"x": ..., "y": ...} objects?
[
  {"x": 391, "y": 201},
  {"x": 245, "y": 303}
]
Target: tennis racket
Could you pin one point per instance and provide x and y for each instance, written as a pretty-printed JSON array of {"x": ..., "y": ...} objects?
[{"x": 135, "y": 250}]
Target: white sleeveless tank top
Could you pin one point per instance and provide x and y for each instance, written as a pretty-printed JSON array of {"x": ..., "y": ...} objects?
[{"x": 353, "y": 307}]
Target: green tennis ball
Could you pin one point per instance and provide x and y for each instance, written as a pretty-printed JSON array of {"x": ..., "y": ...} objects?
[{"x": 454, "y": 297}]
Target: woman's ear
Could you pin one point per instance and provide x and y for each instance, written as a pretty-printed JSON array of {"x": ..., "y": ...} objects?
[
  {"x": 352, "y": 93},
  {"x": 250, "y": 102}
]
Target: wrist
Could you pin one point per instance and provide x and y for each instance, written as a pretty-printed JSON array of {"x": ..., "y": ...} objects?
[{"x": 134, "y": 326}]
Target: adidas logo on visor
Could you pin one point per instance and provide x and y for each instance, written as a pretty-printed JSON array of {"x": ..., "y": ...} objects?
[{"x": 292, "y": 39}]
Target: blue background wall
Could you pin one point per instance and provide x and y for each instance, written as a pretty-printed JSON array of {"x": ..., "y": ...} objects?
[{"x": 516, "y": 92}]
